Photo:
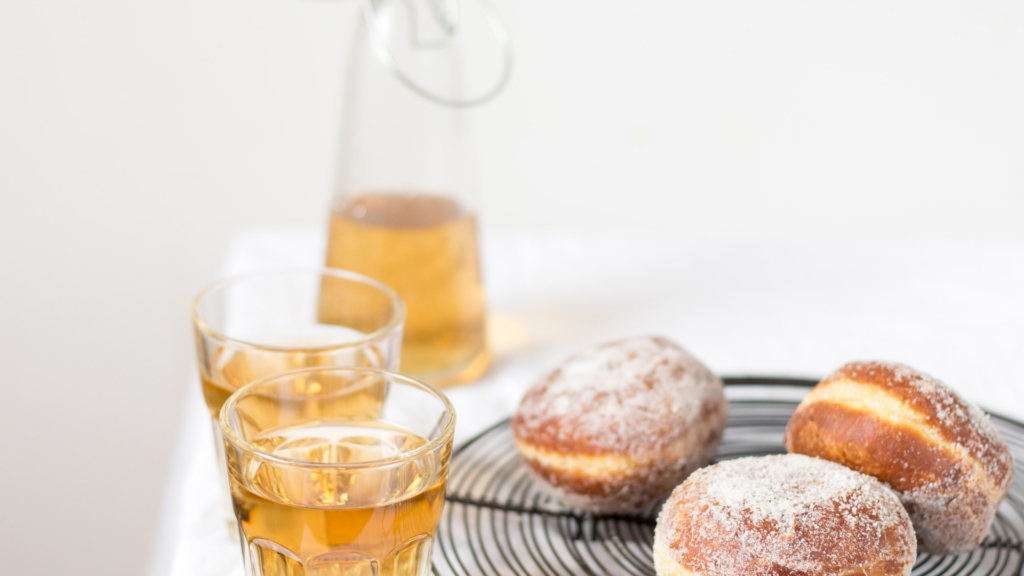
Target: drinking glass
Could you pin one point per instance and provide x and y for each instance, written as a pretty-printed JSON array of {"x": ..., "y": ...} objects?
[
  {"x": 268, "y": 322},
  {"x": 337, "y": 471}
]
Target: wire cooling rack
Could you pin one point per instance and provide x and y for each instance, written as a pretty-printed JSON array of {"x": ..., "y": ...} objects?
[{"x": 497, "y": 521}]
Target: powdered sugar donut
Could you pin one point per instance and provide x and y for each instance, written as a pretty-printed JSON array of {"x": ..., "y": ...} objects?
[
  {"x": 780, "y": 516},
  {"x": 941, "y": 454},
  {"x": 619, "y": 425}
]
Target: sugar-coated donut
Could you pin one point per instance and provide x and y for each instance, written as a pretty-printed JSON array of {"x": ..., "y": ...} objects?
[
  {"x": 942, "y": 455},
  {"x": 617, "y": 426},
  {"x": 783, "y": 516}
]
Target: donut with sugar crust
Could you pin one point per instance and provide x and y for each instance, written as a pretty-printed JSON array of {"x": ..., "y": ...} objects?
[
  {"x": 615, "y": 427},
  {"x": 941, "y": 454},
  {"x": 783, "y": 515}
]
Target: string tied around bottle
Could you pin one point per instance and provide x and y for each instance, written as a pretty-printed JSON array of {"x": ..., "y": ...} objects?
[{"x": 446, "y": 12}]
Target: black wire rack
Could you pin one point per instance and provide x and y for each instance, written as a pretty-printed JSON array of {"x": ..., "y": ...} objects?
[{"x": 498, "y": 521}]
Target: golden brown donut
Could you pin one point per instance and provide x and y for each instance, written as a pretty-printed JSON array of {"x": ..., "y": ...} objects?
[
  {"x": 783, "y": 516},
  {"x": 942, "y": 455},
  {"x": 619, "y": 425}
]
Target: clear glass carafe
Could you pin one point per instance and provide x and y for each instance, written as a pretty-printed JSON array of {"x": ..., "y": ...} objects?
[{"x": 405, "y": 204}]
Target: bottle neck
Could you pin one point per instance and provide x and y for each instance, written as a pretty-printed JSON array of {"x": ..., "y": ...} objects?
[{"x": 394, "y": 142}]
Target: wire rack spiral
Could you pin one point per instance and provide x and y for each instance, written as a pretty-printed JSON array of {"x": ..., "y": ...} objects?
[{"x": 498, "y": 521}]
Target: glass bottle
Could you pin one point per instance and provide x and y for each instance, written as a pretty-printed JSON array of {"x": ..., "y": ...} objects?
[{"x": 405, "y": 204}]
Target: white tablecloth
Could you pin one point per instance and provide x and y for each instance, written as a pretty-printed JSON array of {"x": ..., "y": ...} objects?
[{"x": 953, "y": 308}]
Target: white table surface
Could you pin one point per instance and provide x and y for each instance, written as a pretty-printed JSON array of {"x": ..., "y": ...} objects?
[{"x": 953, "y": 308}]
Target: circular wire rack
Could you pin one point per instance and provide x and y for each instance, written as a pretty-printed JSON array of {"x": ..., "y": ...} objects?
[{"x": 499, "y": 521}]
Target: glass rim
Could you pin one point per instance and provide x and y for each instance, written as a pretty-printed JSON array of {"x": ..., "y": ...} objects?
[
  {"x": 229, "y": 435},
  {"x": 397, "y": 316}
]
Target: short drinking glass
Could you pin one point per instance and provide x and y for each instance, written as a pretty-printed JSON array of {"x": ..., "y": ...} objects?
[
  {"x": 337, "y": 471},
  {"x": 268, "y": 322}
]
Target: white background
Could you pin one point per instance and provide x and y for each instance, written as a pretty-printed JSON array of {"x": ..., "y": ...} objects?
[{"x": 136, "y": 137}]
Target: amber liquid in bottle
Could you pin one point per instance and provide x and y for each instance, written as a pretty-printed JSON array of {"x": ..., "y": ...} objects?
[{"x": 424, "y": 247}]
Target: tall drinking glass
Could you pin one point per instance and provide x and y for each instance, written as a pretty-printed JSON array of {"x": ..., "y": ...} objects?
[
  {"x": 254, "y": 325},
  {"x": 337, "y": 471}
]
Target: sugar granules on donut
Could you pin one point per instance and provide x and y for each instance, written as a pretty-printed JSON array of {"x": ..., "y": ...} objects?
[
  {"x": 980, "y": 445},
  {"x": 617, "y": 426},
  {"x": 951, "y": 469},
  {"x": 784, "y": 515},
  {"x": 959, "y": 419},
  {"x": 613, "y": 398}
]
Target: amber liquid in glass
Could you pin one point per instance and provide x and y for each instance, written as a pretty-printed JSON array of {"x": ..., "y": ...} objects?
[
  {"x": 233, "y": 368},
  {"x": 424, "y": 247},
  {"x": 338, "y": 521}
]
